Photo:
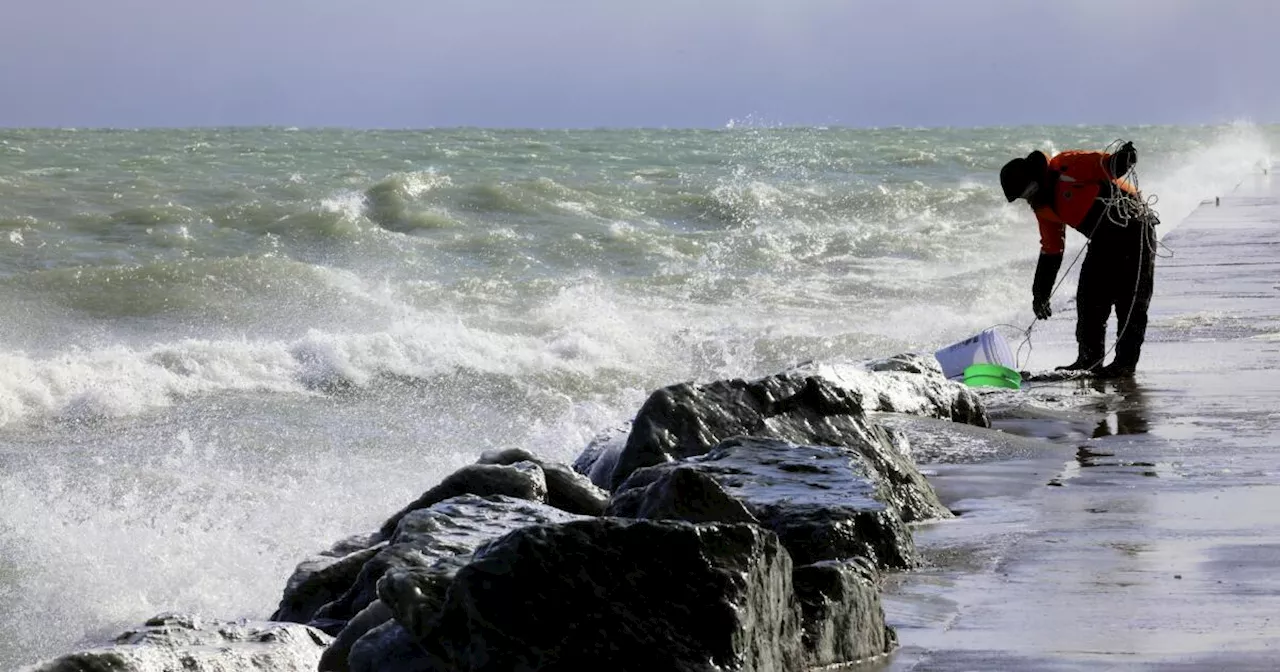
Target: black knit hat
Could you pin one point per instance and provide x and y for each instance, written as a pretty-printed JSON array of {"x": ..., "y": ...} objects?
[
  {"x": 1018, "y": 173},
  {"x": 1014, "y": 178}
]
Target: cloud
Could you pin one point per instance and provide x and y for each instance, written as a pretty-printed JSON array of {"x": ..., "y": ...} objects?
[{"x": 660, "y": 62}]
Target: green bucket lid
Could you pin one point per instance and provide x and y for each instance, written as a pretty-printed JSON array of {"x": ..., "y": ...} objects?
[
  {"x": 992, "y": 375},
  {"x": 991, "y": 381}
]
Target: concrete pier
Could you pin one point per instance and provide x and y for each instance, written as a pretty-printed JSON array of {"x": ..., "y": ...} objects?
[{"x": 1146, "y": 536}]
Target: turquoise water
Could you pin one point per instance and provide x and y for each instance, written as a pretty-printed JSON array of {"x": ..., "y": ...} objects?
[{"x": 221, "y": 350}]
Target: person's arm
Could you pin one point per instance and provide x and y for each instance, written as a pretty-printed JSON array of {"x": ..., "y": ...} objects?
[
  {"x": 1042, "y": 287},
  {"x": 1053, "y": 241},
  {"x": 1053, "y": 231}
]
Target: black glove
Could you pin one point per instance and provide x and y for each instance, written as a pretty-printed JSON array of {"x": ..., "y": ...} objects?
[
  {"x": 1042, "y": 288},
  {"x": 1125, "y": 158},
  {"x": 1129, "y": 154},
  {"x": 1041, "y": 308}
]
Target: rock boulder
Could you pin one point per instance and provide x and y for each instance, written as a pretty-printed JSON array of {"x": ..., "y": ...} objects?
[
  {"x": 843, "y": 616},
  {"x": 520, "y": 480},
  {"x": 192, "y": 644},
  {"x": 824, "y": 502},
  {"x": 430, "y": 545},
  {"x": 685, "y": 420},
  {"x": 608, "y": 593},
  {"x": 567, "y": 490}
]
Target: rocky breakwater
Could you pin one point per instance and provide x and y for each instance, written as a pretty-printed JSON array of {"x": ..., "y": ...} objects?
[
  {"x": 738, "y": 525},
  {"x": 746, "y": 527}
]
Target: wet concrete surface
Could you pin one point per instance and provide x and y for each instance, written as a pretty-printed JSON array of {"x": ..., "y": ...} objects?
[{"x": 1145, "y": 532}]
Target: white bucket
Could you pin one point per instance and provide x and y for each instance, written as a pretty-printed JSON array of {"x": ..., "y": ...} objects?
[{"x": 987, "y": 347}]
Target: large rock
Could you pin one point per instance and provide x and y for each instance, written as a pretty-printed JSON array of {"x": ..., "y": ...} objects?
[
  {"x": 389, "y": 648},
  {"x": 607, "y": 593},
  {"x": 599, "y": 459},
  {"x": 319, "y": 581},
  {"x": 335, "y": 658},
  {"x": 430, "y": 544},
  {"x": 459, "y": 525},
  {"x": 686, "y": 420},
  {"x": 328, "y": 589},
  {"x": 190, "y": 644},
  {"x": 521, "y": 480},
  {"x": 680, "y": 493},
  {"x": 824, "y": 502},
  {"x": 843, "y": 616},
  {"x": 334, "y": 616},
  {"x": 907, "y": 362},
  {"x": 910, "y": 383},
  {"x": 567, "y": 490}
]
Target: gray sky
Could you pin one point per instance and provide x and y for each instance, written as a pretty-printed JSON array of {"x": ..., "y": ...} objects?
[{"x": 576, "y": 63}]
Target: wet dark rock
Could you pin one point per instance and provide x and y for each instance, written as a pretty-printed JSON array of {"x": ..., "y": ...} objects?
[
  {"x": 192, "y": 644},
  {"x": 388, "y": 648},
  {"x": 508, "y": 456},
  {"x": 363, "y": 590},
  {"x": 570, "y": 491},
  {"x": 843, "y": 615},
  {"x": 521, "y": 480},
  {"x": 319, "y": 581},
  {"x": 335, "y": 657},
  {"x": 351, "y": 544},
  {"x": 910, "y": 383},
  {"x": 459, "y": 525},
  {"x": 678, "y": 494},
  {"x": 908, "y": 362},
  {"x": 608, "y": 593},
  {"x": 685, "y": 420},
  {"x": 814, "y": 415},
  {"x": 430, "y": 545},
  {"x": 567, "y": 490},
  {"x": 824, "y": 502},
  {"x": 599, "y": 459}
]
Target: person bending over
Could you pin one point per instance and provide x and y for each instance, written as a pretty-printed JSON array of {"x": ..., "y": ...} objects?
[{"x": 1086, "y": 191}]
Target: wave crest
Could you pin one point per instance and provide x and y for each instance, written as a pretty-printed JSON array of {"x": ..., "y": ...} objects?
[{"x": 393, "y": 203}]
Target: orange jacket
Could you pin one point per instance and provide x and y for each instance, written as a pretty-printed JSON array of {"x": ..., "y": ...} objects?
[{"x": 1080, "y": 177}]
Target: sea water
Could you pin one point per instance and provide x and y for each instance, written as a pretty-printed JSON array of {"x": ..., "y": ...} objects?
[{"x": 222, "y": 350}]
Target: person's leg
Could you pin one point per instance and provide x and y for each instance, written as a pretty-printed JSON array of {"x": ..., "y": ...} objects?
[
  {"x": 1093, "y": 307},
  {"x": 1132, "y": 301}
]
